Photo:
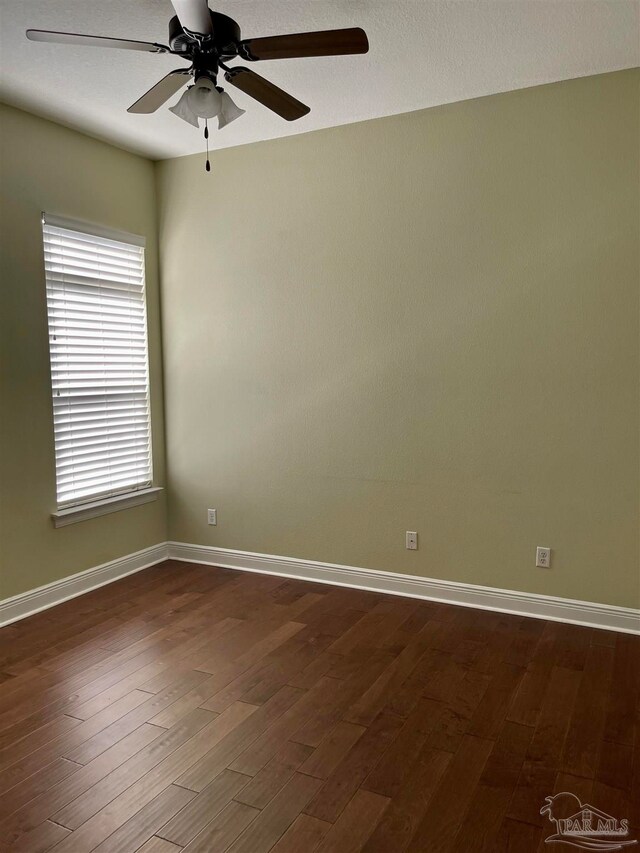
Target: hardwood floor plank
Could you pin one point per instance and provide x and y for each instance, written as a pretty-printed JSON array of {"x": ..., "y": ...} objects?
[
  {"x": 489, "y": 716},
  {"x": 277, "y": 816},
  {"x": 405, "y": 812},
  {"x": 338, "y": 695},
  {"x": 82, "y": 684},
  {"x": 38, "y": 809},
  {"x": 388, "y": 775},
  {"x": 355, "y": 824},
  {"x": 45, "y": 837},
  {"x": 516, "y": 837},
  {"x": 215, "y": 760},
  {"x": 332, "y": 750},
  {"x": 143, "y": 713},
  {"x": 143, "y": 825},
  {"x": 318, "y": 667},
  {"x": 21, "y": 739},
  {"x": 78, "y": 651},
  {"x": 280, "y": 669},
  {"x": 311, "y": 703},
  {"x": 503, "y": 631},
  {"x": 371, "y": 701},
  {"x": 621, "y": 720},
  {"x": 440, "y": 674},
  {"x": 578, "y": 785},
  {"x": 15, "y": 772},
  {"x": 158, "y": 845},
  {"x": 251, "y": 643},
  {"x": 216, "y": 693},
  {"x": 106, "y": 818},
  {"x": 371, "y": 629},
  {"x": 42, "y": 736},
  {"x": 447, "y": 807},
  {"x": 335, "y": 603},
  {"x": 616, "y": 802},
  {"x": 39, "y": 782},
  {"x": 342, "y": 784},
  {"x": 203, "y": 808},
  {"x": 572, "y": 645},
  {"x": 274, "y": 775},
  {"x": 154, "y": 766},
  {"x": 545, "y": 749},
  {"x": 47, "y": 630},
  {"x": 223, "y": 829},
  {"x": 587, "y": 726},
  {"x": 303, "y": 836},
  {"x": 489, "y": 804},
  {"x": 467, "y": 695},
  {"x": 615, "y": 767},
  {"x": 334, "y": 622},
  {"x": 525, "y": 640},
  {"x": 62, "y": 697},
  {"x": 274, "y": 662},
  {"x": 527, "y": 701},
  {"x": 634, "y": 815},
  {"x": 155, "y": 676},
  {"x": 601, "y": 637}
]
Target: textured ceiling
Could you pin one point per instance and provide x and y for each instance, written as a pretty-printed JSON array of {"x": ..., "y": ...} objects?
[{"x": 423, "y": 53}]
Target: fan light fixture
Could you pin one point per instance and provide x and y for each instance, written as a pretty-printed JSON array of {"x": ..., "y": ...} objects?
[
  {"x": 205, "y": 100},
  {"x": 208, "y": 40}
]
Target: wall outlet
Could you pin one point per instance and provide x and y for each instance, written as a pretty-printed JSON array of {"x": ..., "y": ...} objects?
[
  {"x": 543, "y": 557},
  {"x": 411, "y": 540},
  {"x": 212, "y": 516}
]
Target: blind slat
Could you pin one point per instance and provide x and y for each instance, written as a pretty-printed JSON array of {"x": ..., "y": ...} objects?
[
  {"x": 90, "y": 447},
  {"x": 99, "y": 364},
  {"x": 120, "y": 461},
  {"x": 81, "y": 438}
]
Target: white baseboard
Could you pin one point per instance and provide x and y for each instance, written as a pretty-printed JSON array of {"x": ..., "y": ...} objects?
[
  {"x": 587, "y": 613},
  {"x": 605, "y": 616},
  {"x": 28, "y": 603}
]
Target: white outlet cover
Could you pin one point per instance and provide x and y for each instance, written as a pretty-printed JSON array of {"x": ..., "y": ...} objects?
[
  {"x": 212, "y": 516},
  {"x": 411, "y": 540},
  {"x": 543, "y": 557}
]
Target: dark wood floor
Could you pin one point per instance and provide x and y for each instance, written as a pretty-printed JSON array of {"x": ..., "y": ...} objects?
[{"x": 208, "y": 710}]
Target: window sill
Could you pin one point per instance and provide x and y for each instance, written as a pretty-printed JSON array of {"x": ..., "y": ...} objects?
[{"x": 63, "y": 517}]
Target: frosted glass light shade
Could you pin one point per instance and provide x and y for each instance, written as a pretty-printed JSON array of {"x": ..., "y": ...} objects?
[
  {"x": 228, "y": 111},
  {"x": 183, "y": 110},
  {"x": 206, "y": 103},
  {"x": 204, "y": 99}
]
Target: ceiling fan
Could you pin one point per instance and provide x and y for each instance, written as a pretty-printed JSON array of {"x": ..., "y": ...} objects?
[{"x": 209, "y": 40}]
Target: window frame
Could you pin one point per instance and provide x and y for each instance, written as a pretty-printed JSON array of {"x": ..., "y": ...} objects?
[{"x": 99, "y": 503}]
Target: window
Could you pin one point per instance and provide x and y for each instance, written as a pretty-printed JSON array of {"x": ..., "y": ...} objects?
[{"x": 99, "y": 363}]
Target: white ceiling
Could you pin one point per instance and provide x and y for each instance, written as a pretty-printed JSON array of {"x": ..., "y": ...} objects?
[{"x": 423, "y": 53}]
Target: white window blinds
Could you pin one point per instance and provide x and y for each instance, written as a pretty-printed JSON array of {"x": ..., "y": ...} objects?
[{"x": 99, "y": 365}]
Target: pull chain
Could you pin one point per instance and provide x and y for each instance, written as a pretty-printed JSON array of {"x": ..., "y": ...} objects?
[{"x": 206, "y": 136}]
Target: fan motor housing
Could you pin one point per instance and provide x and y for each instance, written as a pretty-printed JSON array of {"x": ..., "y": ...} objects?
[{"x": 226, "y": 34}]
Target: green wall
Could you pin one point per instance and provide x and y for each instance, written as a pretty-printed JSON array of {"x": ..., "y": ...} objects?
[
  {"x": 426, "y": 322},
  {"x": 44, "y": 166}
]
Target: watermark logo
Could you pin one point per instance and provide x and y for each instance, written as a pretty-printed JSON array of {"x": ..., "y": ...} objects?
[{"x": 583, "y": 825}]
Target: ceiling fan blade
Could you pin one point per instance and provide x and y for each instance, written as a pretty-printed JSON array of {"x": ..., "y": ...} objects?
[
  {"x": 266, "y": 93},
  {"x": 161, "y": 92},
  {"x": 322, "y": 43},
  {"x": 94, "y": 41},
  {"x": 194, "y": 16}
]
